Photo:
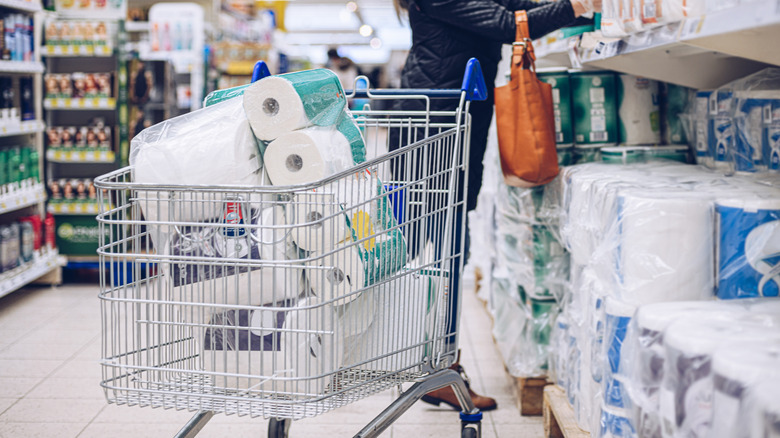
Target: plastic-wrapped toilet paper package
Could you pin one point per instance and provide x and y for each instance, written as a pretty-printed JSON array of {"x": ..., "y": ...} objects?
[
  {"x": 403, "y": 327},
  {"x": 614, "y": 423},
  {"x": 211, "y": 264},
  {"x": 306, "y": 156},
  {"x": 736, "y": 371},
  {"x": 685, "y": 398},
  {"x": 559, "y": 369},
  {"x": 677, "y": 10},
  {"x": 224, "y": 94},
  {"x": 642, "y": 355},
  {"x": 277, "y": 105},
  {"x": 721, "y": 130},
  {"x": 763, "y": 411},
  {"x": 749, "y": 119},
  {"x": 210, "y": 146},
  {"x": 700, "y": 112},
  {"x": 653, "y": 269},
  {"x": 611, "y": 19},
  {"x": 748, "y": 246},
  {"x": 638, "y": 110},
  {"x": 510, "y": 318},
  {"x": 675, "y": 101}
]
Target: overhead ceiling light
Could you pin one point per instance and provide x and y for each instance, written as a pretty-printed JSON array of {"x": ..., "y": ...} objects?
[
  {"x": 375, "y": 43},
  {"x": 366, "y": 30},
  {"x": 352, "y": 6}
]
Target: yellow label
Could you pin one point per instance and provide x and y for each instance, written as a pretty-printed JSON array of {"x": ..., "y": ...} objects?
[{"x": 361, "y": 223}]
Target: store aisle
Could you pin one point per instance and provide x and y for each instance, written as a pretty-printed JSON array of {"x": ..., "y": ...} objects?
[{"x": 49, "y": 381}]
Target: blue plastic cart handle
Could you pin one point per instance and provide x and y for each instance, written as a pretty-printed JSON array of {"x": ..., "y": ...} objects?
[
  {"x": 260, "y": 71},
  {"x": 473, "y": 85}
]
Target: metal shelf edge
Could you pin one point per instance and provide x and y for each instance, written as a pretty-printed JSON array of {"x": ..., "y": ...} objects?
[{"x": 25, "y": 274}]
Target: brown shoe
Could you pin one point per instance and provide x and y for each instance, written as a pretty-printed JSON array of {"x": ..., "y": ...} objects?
[{"x": 447, "y": 395}]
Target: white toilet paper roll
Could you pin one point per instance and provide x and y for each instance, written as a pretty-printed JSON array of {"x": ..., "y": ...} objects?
[
  {"x": 337, "y": 275},
  {"x": 763, "y": 412},
  {"x": 317, "y": 222},
  {"x": 677, "y": 267},
  {"x": 274, "y": 108},
  {"x": 312, "y": 348},
  {"x": 307, "y": 156}
]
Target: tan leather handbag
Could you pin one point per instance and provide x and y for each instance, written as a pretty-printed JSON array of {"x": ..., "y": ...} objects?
[{"x": 525, "y": 119}]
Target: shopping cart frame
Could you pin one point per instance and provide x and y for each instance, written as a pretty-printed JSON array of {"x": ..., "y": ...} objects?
[{"x": 440, "y": 375}]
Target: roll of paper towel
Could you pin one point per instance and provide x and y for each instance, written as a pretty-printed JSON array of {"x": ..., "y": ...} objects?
[
  {"x": 277, "y": 105},
  {"x": 337, "y": 275},
  {"x": 666, "y": 246},
  {"x": 307, "y": 156},
  {"x": 317, "y": 222}
]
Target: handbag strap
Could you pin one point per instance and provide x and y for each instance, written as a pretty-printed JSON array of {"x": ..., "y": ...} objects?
[{"x": 522, "y": 49}]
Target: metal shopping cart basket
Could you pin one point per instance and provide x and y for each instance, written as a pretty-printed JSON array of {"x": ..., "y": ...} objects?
[{"x": 289, "y": 301}]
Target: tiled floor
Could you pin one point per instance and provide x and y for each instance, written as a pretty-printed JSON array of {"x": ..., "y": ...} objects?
[{"x": 49, "y": 382}]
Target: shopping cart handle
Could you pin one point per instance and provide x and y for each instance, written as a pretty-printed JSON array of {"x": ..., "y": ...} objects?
[
  {"x": 473, "y": 85},
  {"x": 260, "y": 71}
]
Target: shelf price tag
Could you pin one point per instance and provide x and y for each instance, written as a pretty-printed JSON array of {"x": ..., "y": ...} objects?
[{"x": 87, "y": 156}]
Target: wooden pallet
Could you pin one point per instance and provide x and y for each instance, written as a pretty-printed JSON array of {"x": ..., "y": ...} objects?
[
  {"x": 559, "y": 419},
  {"x": 530, "y": 394}
]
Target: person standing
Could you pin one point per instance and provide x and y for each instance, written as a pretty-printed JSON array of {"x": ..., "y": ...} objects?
[{"x": 445, "y": 35}]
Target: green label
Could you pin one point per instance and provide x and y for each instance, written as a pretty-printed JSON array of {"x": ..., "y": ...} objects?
[
  {"x": 561, "y": 91},
  {"x": 676, "y": 100},
  {"x": 78, "y": 235},
  {"x": 594, "y": 108}
]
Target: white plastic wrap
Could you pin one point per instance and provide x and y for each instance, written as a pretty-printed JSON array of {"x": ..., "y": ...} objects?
[
  {"x": 763, "y": 411},
  {"x": 209, "y": 146},
  {"x": 307, "y": 155}
]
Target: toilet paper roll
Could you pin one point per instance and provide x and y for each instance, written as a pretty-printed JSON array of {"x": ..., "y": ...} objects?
[
  {"x": 307, "y": 156},
  {"x": 737, "y": 370},
  {"x": 689, "y": 344},
  {"x": 655, "y": 270},
  {"x": 312, "y": 348},
  {"x": 277, "y": 105},
  {"x": 615, "y": 423},
  {"x": 748, "y": 243},
  {"x": 317, "y": 222},
  {"x": 337, "y": 275}
]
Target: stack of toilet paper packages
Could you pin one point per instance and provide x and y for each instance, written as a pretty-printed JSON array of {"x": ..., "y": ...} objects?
[
  {"x": 736, "y": 126},
  {"x": 643, "y": 234}
]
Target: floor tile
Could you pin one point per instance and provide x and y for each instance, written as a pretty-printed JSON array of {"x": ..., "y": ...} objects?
[
  {"x": 32, "y": 410},
  {"x": 417, "y": 431},
  {"x": 6, "y": 403},
  {"x": 45, "y": 335},
  {"x": 131, "y": 430},
  {"x": 79, "y": 368},
  {"x": 57, "y": 388},
  {"x": 17, "y": 387},
  {"x": 22, "y": 350},
  {"x": 40, "y": 430},
  {"x": 27, "y": 367},
  {"x": 135, "y": 414}
]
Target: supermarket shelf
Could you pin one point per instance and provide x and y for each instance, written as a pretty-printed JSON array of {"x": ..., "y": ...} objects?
[
  {"x": 18, "y": 198},
  {"x": 553, "y": 52},
  {"x": 43, "y": 262},
  {"x": 80, "y": 156},
  {"x": 700, "y": 52},
  {"x": 27, "y": 127},
  {"x": 21, "y": 5},
  {"x": 91, "y": 103},
  {"x": 21, "y": 66},
  {"x": 77, "y": 51},
  {"x": 74, "y": 208},
  {"x": 137, "y": 26},
  {"x": 746, "y": 32}
]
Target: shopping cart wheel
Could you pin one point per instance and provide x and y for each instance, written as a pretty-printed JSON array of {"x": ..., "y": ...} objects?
[
  {"x": 280, "y": 427},
  {"x": 468, "y": 432}
]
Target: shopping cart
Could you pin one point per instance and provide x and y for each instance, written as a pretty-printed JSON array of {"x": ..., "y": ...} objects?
[{"x": 288, "y": 302}]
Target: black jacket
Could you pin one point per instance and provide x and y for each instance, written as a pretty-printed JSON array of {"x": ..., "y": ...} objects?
[{"x": 446, "y": 33}]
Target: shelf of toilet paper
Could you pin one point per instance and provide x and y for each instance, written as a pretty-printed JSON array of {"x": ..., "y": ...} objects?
[{"x": 701, "y": 52}]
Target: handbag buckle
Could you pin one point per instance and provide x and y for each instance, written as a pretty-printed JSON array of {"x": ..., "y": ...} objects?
[{"x": 523, "y": 43}]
